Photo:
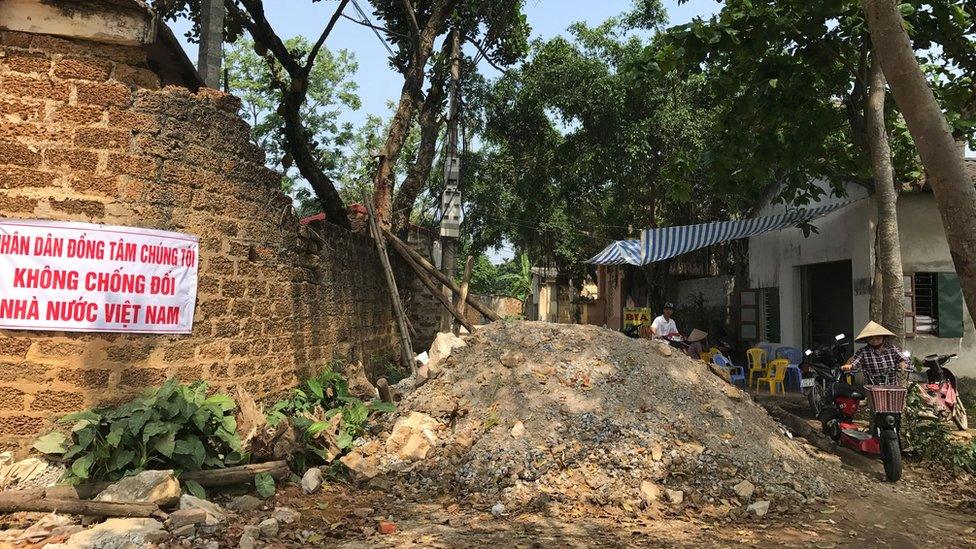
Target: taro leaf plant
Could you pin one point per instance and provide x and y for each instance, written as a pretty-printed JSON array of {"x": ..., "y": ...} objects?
[
  {"x": 327, "y": 417},
  {"x": 173, "y": 427}
]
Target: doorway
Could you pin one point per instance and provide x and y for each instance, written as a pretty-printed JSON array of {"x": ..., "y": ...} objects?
[{"x": 827, "y": 292}]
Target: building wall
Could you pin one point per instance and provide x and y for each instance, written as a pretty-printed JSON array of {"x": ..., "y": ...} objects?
[
  {"x": 775, "y": 258},
  {"x": 924, "y": 249},
  {"x": 713, "y": 291},
  {"x": 86, "y": 135}
]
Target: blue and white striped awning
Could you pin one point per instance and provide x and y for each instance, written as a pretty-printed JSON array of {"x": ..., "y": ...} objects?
[
  {"x": 668, "y": 242},
  {"x": 619, "y": 253}
]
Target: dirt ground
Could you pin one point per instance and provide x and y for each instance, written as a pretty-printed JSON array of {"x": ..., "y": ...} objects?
[{"x": 924, "y": 509}]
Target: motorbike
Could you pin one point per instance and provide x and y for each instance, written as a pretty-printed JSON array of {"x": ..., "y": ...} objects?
[
  {"x": 819, "y": 369},
  {"x": 940, "y": 386},
  {"x": 881, "y": 438}
]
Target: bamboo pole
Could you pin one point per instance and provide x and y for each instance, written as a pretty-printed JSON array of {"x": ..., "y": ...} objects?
[
  {"x": 436, "y": 291},
  {"x": 462, "y": 300},
  {"x": 406, "y": 349},
  {"x": 405, "y": 250}
]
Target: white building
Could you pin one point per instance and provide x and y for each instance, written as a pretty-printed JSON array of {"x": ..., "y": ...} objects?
[{"x": 810, "y": 288}]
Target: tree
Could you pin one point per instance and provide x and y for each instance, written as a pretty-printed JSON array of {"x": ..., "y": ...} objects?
[
  {"x": 798, "y": 78},
  {"x": 290, "y": 71},
  {"x": 331, "y": 91},
  {"x": 943, "y": 159},
  {"x": 566, "y": 168}
]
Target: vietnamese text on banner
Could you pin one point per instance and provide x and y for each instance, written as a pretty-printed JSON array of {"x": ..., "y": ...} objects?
[{"x": 79, "y": 277}]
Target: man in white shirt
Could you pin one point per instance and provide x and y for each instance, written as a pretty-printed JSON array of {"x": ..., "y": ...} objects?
[{"x": 664, "y": 325}]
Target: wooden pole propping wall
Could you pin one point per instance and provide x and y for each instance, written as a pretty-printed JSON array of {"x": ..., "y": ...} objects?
[
  {"x": 405, "y": 251},
  {"x": 462, "y": 300},
  {"x": 406, "y": 349},
  {"x": 436, "y": 291}
]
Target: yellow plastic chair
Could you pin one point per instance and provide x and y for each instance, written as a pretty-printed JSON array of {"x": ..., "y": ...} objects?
[
  {"x": 757, "y": 359},
  {"x": 776, "y": 375},
  {"x": 707, "y": 355}
]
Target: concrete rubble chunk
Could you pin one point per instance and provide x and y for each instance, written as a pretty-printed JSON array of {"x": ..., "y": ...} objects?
[
  {"x": 413, "y": 436},
  {"x": 675, "y": 496},
  {"x": 116, "y": 533},
  {"x": 442, "y": 347},
  {"x": 312, "y": 480},
  {"x": 215, "y": 513},
  {"x": 183, "y": 517},
  {"x": 497, "y": 509},
  {"x": 286, "y": 515},
  {"x": 744, "y": 489},
  {"x": 147, "y": 486},
  {"x": 361, "y": 469},
  {"x": 518, "y": 430},
  {"x": 244, "y": 504},
  {"x": 759, "y": 508},
  {"x": 269, "y": 528},
  {"x": 649, "y": 492},
  {"x": 249, "y": 538}
]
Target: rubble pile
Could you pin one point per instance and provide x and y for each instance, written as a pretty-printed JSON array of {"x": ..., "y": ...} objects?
[{"x": 527, "y": 414}]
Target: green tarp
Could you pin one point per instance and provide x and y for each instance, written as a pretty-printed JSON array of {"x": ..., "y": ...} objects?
[{"x": 950, "y": 305}]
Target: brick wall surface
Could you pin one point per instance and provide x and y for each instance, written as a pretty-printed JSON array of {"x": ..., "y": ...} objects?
[{"x": 87, "y": 135}]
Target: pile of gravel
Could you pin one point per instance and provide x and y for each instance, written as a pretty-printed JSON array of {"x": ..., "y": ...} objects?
[{"x": 527, "y": 414}]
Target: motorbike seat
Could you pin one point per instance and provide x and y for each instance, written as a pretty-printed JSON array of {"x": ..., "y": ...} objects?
[{"x": 841, "y": 389}]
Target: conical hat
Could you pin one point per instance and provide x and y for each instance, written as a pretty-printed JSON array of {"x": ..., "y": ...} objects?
[
  {"x": 873, "y": 329},
  {"x": 697, "y": 335}
]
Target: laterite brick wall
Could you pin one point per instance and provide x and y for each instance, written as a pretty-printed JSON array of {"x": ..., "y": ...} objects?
[{"x": 87, "y": 135}]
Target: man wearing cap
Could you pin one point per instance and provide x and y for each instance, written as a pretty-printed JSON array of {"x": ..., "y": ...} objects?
[
  {"x": 664, "y": 326},
  {"x": 880, "y": 358}
]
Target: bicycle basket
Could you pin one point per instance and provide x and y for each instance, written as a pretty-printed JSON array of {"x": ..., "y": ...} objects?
[{"x": 886, "y": 399}]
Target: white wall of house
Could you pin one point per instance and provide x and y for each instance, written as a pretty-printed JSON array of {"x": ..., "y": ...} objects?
[
  {"x": 924, "y": 249},
  {"x": 775, "y": 259}
]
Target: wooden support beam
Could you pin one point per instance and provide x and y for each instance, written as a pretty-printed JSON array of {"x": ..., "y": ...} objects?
[
  {"x": 406, "y": 349},
  {"x": 462, "y": 300},
  {"x": 13, "y": 502},
  {"x": 404, "y": 250},
  {"x": 436, "y": 292}
]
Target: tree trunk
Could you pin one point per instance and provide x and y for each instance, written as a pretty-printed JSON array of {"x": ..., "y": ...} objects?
[
  {"x": 430, "y": 126},
  {"x": 400, "y": 126},
  {"x": 944, "y": 164},
  {"x": 877, "y": 283},
  {"x": 889, "y": 247}
]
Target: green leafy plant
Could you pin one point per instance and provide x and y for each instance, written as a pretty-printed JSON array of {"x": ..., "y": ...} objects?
[
  {"x": 195, "y": 489},
  {"x": 173, "y": 427},
  {"x": 327, "y": 417},
  {"x": 264, "y": 483},
  {"x": 931, "y": 440}
]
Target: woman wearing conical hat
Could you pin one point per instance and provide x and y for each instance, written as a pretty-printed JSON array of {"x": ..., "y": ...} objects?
[
  {"x": 880, "y": 358},
  {"x": 697, "y": 341}
]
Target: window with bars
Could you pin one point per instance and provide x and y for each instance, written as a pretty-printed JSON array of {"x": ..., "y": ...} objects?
[
  {"x": 933, "y": 305},
  {"x": 759, "y": 318}
]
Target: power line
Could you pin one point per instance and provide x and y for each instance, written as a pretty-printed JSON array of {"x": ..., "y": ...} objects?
[{"x": 369, "y": 24}]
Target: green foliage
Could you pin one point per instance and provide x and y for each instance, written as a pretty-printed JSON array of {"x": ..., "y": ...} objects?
[
  {"x": 566, "y": 168},
  {"x": 931, "y": 440},
  {"x": 195, "y": 489},
  {"x": 326, "y": 416},
  {"x": 331, "y": 91},
  {"x": 173, "y": 427},
  {"x": 512, "y": 278},
  {"x": 264, "y": 483}
]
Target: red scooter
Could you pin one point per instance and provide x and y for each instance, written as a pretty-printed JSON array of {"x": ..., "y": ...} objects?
[
  {"x": 887, "y": 403},
  {"x": 941, "y": 391}
]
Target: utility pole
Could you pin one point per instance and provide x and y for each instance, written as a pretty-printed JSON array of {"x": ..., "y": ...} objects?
[
  {"x": 211, "y": 42},
  {"x": 451, "y": 198}
]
